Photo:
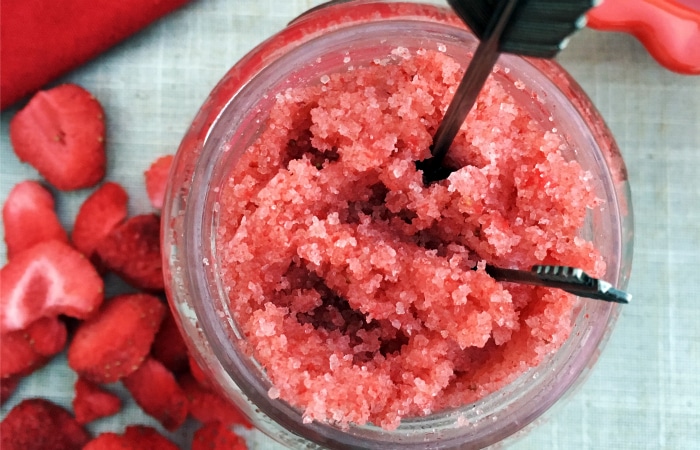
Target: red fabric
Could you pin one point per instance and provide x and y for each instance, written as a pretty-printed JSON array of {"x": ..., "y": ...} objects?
[{"x": 41, "y": 40}]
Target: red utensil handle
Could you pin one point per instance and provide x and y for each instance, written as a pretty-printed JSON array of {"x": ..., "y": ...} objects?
[{"x": 669, "y": 29}]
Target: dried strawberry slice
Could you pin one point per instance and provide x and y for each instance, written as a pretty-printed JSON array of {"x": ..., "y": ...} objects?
[
  {"x": 114, "y": 343},
  {"x": 157, "y": 180},
  {"x": 49, "y": 279},
  {"x": 216, "y": 436},
  {"x": 91, "y": 402},
  {"x": 132, "y": 251},
  {"x": 61, "y": 134},
  {"x": 38, "y": 424},
  {"x": 29, "y": 217},
  {"x": 98, "y": 215},
  {"x": 156, "y": 391}
]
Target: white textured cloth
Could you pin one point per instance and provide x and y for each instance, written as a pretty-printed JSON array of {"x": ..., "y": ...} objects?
[{"x": 643, "y": 393}]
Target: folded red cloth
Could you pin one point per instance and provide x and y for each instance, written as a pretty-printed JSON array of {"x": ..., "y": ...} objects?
[{"x": 41, "y": 40}]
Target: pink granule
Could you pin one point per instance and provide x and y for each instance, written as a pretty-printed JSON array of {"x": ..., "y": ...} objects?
[{"x": 361, "y": 291}]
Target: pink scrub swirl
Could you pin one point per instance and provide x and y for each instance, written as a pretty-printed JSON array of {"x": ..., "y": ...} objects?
[{"x": 362, "y": 292}]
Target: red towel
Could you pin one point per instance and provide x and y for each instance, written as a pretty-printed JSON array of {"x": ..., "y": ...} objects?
[{"x": 41, "y": 40}]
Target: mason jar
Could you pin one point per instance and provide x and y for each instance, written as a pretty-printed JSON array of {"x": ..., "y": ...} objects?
[{"x": 330, "y": 40}]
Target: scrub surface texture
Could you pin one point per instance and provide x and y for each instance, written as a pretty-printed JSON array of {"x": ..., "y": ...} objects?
[{"x": 361, "y": 291}]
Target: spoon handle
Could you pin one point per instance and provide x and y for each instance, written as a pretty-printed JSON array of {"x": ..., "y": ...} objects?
[{"x": 569, "y": 279}]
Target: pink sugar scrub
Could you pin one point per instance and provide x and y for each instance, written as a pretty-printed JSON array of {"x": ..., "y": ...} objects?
[{"x": 362, "y": 292}]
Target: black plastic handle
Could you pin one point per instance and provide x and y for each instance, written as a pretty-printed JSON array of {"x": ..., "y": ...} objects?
[{"x": 537, "y": 28}]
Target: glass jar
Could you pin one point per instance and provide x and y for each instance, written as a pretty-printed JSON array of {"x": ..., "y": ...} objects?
[{"x": 327, "y": 41}]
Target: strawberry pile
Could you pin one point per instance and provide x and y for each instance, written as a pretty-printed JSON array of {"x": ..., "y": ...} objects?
[{"x": 52, "y": 296}]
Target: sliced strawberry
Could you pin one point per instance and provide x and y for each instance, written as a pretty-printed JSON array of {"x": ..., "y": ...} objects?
[
  {"x": 198, "y": 373},
  {"x": 147, "y": 438},
  {"x": 217, "y": 436},
  {"x": 156, "y": 391},
  {"x": 8, "y": 386},
  {"x": 169, "y": 348},
  {"x": 157, "y": 180},
  {"x": 135, "y": 437},
  {"x": 98, "y": 215},
  {"x": 29, "y": 218},
  {"x": 17, "y": 357},
  {"x": 38, "y": 424},
  {"x": 132, "y": 251},
  {"x": 207, "y": 406},
  {"x": 114, "y": 343},
  {"x": 108, "y": 441},
  {"x": 91, "y": 402},
  {"x": 24, "y": 351},
  {"x": 47, "y": 336},
  {"x": 49, "y": 279},
  {"x": 61, "y": 134}
]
